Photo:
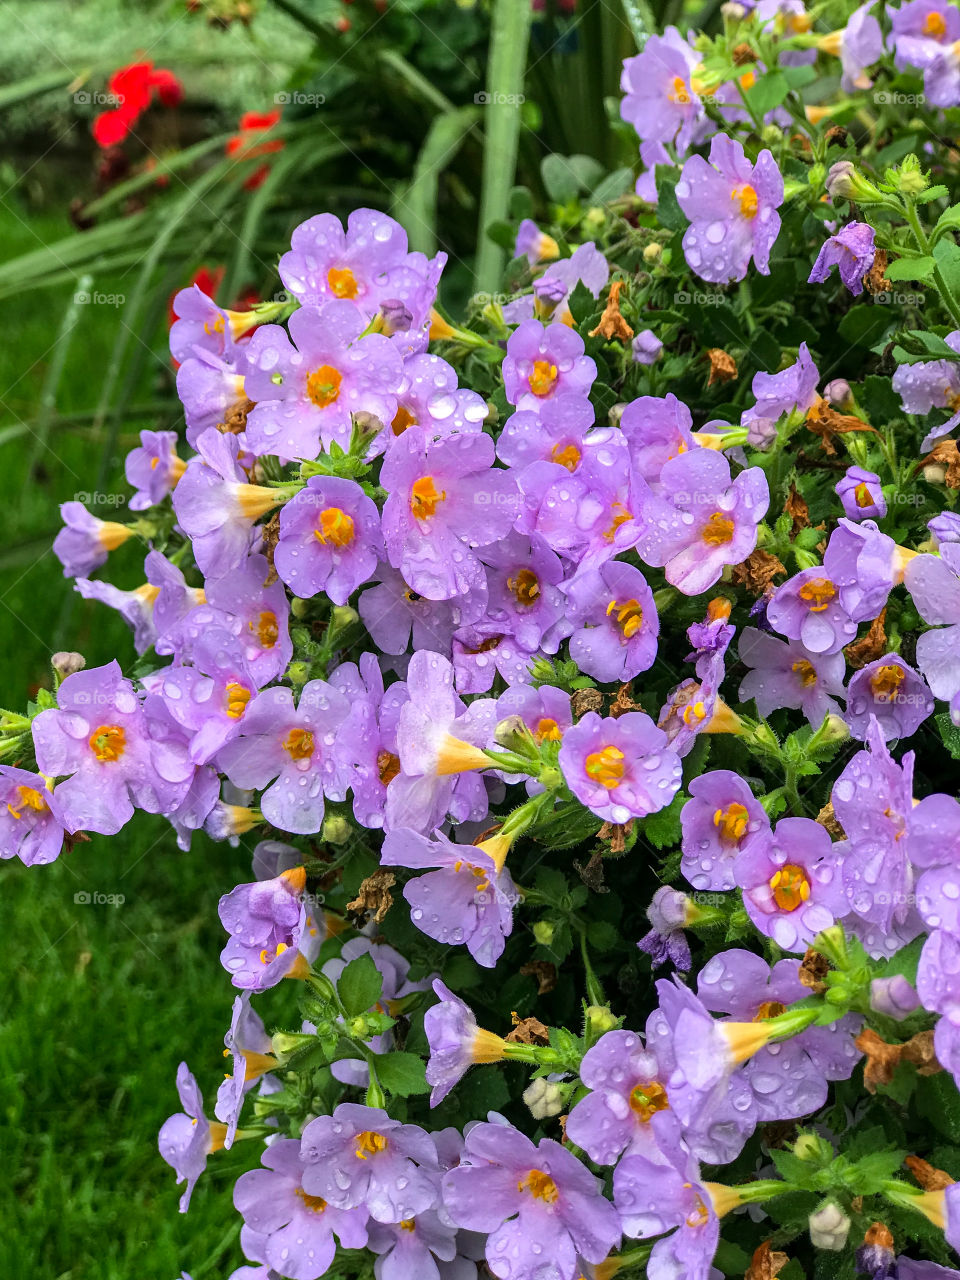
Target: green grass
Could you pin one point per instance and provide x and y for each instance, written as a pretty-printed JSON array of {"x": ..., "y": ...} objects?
[{"x": 101, "y": 1002}]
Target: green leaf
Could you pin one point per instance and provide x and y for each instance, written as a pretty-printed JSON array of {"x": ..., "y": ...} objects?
[
  {"x": 613, "y": 185},
  {"x": 768, "y": 92},
  {"x": 911, "y": 269},
  {"x": 916, "y": 345},
  {"x": 662, "y": 829},
  {"x": 669, "y": 213},
  {"x": 416, "y": 209},
  {"x": 937, "y": 1100},
  {"x": 360, "y": 985},
  {"x": 949, "y": 733},
  {"x": 603, "y": 935},
  {"x": 864, "y": 326},
  {"x": 401, "y": 1073},
  {"x": 948, "y": 219},
  {"x": 947, "y": 254}
]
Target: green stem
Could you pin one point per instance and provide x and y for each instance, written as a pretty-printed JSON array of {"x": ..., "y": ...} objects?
[{"x": 923, "y": 244}]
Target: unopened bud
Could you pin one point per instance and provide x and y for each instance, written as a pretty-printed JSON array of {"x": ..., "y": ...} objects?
[
  {"x": 66, "y": 663},
  {"x": 512, "y": 734},
  {"x": 829, "y": 1228},
  {"x": 813, "y": 1149},
  {"x": 910, "y": 178},
  {"x": 772, "y": 135},
  {"x": 894, "y": 997},
  {"x": 600, "y": 1019},
  {"x": 934, "y": 473},
  {"x": 544, "y": 1098},
  {"x": 846, "y": 182},
  {"x": 652, "y": 252},
  {"x": 838, "y": 394},
  {"x": 395, "y": 317},
  {"x": 543, "y": 932},
  {"x": 336, "y": 829}
]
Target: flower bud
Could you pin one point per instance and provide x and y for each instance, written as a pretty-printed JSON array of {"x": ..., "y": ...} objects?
[
  {"x": 894, "y": 997},
  {"x": 543, "y": 932},
  {"x": 544, "y": 1098},
  {"x": 772, "y": 135},
  {"x": 646, "y": 347},
  {"x": 934, "y": 473},
  {"x": 512, "y": 734},
  {"x": 838, "y": 394},
  {"x": 813, "y": 1149},
  {"x": 844, "y": 181},
  {"x": 336, "y": 829},
  {"x": 66, "y": 663},
  {"x": 829, "y": 1227},
  {"x": 652, "y": 252},
  {"x": 600, "y": 1019},
  {"x": 910, "y": 177}
]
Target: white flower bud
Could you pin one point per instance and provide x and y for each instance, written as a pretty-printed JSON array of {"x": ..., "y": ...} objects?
[
  {"x": 829, "y": 1227},
  {"x": 544, "y": 1098}
]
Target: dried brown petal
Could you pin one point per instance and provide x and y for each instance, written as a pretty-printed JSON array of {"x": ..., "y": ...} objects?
[
  {"x": 723, "y": 367},
  {"x": 545, "y": 974},
  {"x": 757, "y": 572},
  {"x": 871, "y": 646},
  {"x": 612, "y": 323},
  {"x": 767, "y": 1263},
  {"x": 798, "y": 511},
  {"x": 813, "y": 969},
  {"x": 527, "y": 1031},
  {"x": 585, "y": 700},
  {"x": 828, "y": 820},
  {"x": 929, "y": 1177},
  {"x": 374, "y": 896}
]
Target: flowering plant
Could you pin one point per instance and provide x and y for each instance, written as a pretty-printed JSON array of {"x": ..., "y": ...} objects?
[{"x": 589, "y": 646}]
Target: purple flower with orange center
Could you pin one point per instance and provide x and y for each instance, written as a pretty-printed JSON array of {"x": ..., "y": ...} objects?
[
  {"x": 925, "y": 34},
  {"x": 694, "y": 707},
  {"x": 366, "y": 746},
  {"x": 615, "y": 620},
  {"x": 98, "y": 740},
  {"x": 445, "y": 499},
  {"x": 85, "y": 541},
  {"x": 467, "y": 896},
  {"x": 188, "y": 1137},
  {"x": 627, "y": 1088},
  {"x": 934, "y": 584},
  {"x": 620, "y": 768},
  {"x": 851, "y": 250},
  {"x": 329, "y": 539},
  {"x": 429, "y": 397},
  {"x": 153, "y": 468},
  {"x": 270, "y": 931},
  {"x": 212, "y": 391},
  {"x": 792, "y": 390},
  {"x": 784, "y": 673},
  {"x": 700, "y": 521},
  {"x": 31, "y": 825},
  {"x": 544, "y": 362},
  {"x": 211, "y": 697},
  {"x": 792, "y": 884},
  {"x": 523, "y": 583},
  {"x": 534, "y": 245},
  {"x": 732, "y": 206},
  {"x": 538, "y": 1203},
  {"x": 659, "y": 99},
  {"x": 931, "y": 384},
  {"x": 135, "y": 607},
  {"x": 657, "y": 429},
  {"x": 359, "y": 1156},
  {"x": 720, "y": 821},
  {"x": 399, "y": 618},
  {"x": 554, "y": 433},
  {"x": 865, "y": 564},
  {"x": 294, "y": 1229},
  {"x": 201, "y": 323},
  {"x": 456, "y": 1042},
  {"x": 808, "y": 608},
  {"x": 890, "y": 692},
  {"x": 308, "y": 386},
  {"x": 862, "y": 497},
  {"x": 251, "y": 1049}
]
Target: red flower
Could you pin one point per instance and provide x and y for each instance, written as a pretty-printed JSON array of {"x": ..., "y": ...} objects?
[
  {"x": 246, "y": 145},
  {"x": 133, "y": 88}
]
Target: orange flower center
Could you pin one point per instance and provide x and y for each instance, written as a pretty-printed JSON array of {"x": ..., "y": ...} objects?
[
  {"x": 316, "y": 1204},
  {"x": 334, "y": 526},
  {"x": 524, "y": 587},
  {"x": 342, "y": 282},
  {"x": 548, "y": 731},
  {"x": 478, "y": 873},
  {"x": 679, "y": 92},
  {"x": 886, "y": 681},
  {"x": 628, "y": 616},
  {"x": 108, "y": 743},
  {"x": 407, "y": 1224},
  {"x": 646, "y": 1099},
  {"x": 935, "y": 26},
  {"x": 605, "y": 767},
  {"x": 748, "y": 80},
  {"x": 817, "y": 594},
  {"x": 323, "y": 385},
  {"x": 299, "y": 744},
  {"x": 693, "y": 713},
  {"x": 862, "y": 494},
  {"x": 805, "y": 669},
  {"x": 568, "y": 455},
  {"x": 732, "y": 823},
  {"x": 718, "y": 530},
  {"x": 369, "y": 1144},
  {"x": 425, "y": 497},
  {"x": 266, "y": 629},
  {"x": 267, "y": 956},
  {"x": 26, "y": 798},
  {"x": 238, "y": 695},
  {"x": 388, "y": 766},
  {"x": 402, "y": 419},
  {"x": 746, "y": 197},
  {"x": 540, "y": 1185},
  {"x": 543, "y": 378},
  {"x": 790, "y": 886},
  {"x": 769, "y": 1009},
  {"x": 619, "y": 515}
]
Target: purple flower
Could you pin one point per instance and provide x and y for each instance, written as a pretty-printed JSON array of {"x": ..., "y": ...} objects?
[
  {"x": 269, "y": 930},
  {"x": 627, "y": 1088},
  {"x": 295, "y": 1229},
  {"x": 153, "y": 468},
  {"x": 792, "y": 886},
  {"x": 657, "y": 430},
  {"x": 85, "y": 541},
  {"x": 294, "y": 746},
  {"x": 711, "y": 638},
  {"x": 188, "y": 1137},
  {"x": 398, "y": 617},
  {"x": 659, "y": 100},
  {"x": 211, "y": 697},
  {"x": 893, "y": 997},
  {"x": 932, "y": 384},
  {"x": 861, "y": 495},
  {"x": 852, "y": 250},
  {"x": 646, "y": 347},
  {"x": 553, "y": 434},
  {"x": 212, "y": 391},
  {"x": 444, "y": 500},
  {"x": 616, "y": 622},
  {"x": 100, "y": 737},
  {"x": 620, "y": 769},
  {"x": 923, "y": 31},
  {"x": 359, "y": 1156},
  {"x": 788, "y": 674},
  {"x": 701, "y": 522},
  {"x": 523, "y": 582},
  {"x": 429, "y": 397},
  {"x": 945, "y": 527},
  {"x": 411, "y": 1250},
  {"x": 456, "y": 1042},
  {"x": 439, "y": 742},
  {"x": 586, "y": 266},
  {"x": 865, "y": 564},
  {"x": 788, "y": 1079},
  {"x": 732, "y": 208},
  {"x": 892, "y": 693},
  {"x": 467, "y": 900},
  {"x": 666, "y": 943},
  {"x": 533, "y": 244},
  {"x": 366, "y": 746},
  {"x": 541, "y": 1207},
  {"x": 481, "y": 651},
  {"x": 808, "y": 608},
  {"x": 933, "y": 583},
  {"x": 31, "y": 825},
  {"x": 938, "y": 986},
  {"x": 307, "y": 390},
  {"x": 135, "y": 607},
  {"x": 860, "y": 46},
  {"x": 543, "y": 363},
  {"x": 793, "y": 390},
  {"x": 721, "y": 820},
  {"x": 329, "y": 539},
  {"x": 252, "y": 1053}
]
